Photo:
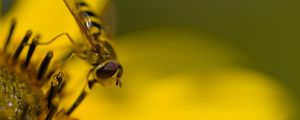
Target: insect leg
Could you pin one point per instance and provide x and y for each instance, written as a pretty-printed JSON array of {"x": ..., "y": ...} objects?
[
  {"x": 55, "y": 38},
  {"x": 81, "y": 97},
  {"x": 56, "y": 86},
  {"x": 12, "y": 28},
  {"x": 35, "y": 42},
  {"x": 60, "y": 64},
  {"x": 77, "y": 102}
]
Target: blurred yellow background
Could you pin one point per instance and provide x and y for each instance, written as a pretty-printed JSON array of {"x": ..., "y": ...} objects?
[{"x": 193, "y": 60}]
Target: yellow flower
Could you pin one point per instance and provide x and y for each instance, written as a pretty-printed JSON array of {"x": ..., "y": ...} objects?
[{"x": 170, "y": 73}]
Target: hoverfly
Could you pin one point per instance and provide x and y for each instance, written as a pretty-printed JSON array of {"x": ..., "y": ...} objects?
[{"x": 99, "y": 52}]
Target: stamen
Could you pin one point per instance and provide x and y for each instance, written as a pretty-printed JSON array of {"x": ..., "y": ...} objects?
[
  {"x": 44, "y": 66},
  {"x": 32, "y": 47},
  {"x": 12, "y": 28},
  {"x": 21, "y": 46}
]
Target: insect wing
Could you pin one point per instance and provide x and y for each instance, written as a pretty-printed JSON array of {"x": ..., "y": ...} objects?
[
  {"x": 109, "y": 19},
  {"x": 73, "y": 8}
]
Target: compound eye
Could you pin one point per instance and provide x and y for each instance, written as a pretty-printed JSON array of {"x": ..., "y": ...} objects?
[{"x": 108, "y": 70}]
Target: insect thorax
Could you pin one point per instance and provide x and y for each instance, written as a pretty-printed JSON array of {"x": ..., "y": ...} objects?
[{"x": 98, "y": 54}]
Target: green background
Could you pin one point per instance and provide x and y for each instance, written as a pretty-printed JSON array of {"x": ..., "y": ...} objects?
[{"x": 266, "y": 30}]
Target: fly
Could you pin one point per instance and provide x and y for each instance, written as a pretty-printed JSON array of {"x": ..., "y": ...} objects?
[{"x": 98, "y": 52}]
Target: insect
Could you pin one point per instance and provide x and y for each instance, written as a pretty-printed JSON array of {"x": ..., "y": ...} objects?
[
  {"x": 21, "y": 81},
  {"x": 98, "y": 52}
]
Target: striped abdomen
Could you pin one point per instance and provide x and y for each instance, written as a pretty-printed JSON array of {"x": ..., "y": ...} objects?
[
  {"x": 92, "y": 21},
  {"x": 95, "y": 29}
]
